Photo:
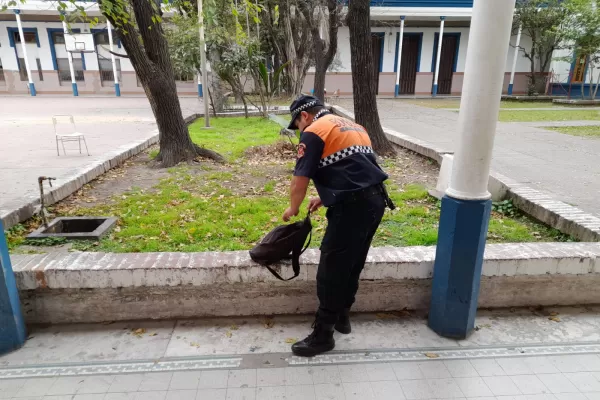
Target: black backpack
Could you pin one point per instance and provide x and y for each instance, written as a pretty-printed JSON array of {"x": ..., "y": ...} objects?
[{"x": 283, "y": 243}]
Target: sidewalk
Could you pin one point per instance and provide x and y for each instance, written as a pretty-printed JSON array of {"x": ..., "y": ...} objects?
[
  {"x": 564, "y": 165},
  {"x": 28, "y": 147},
  {"x": 540, "y": 354}
]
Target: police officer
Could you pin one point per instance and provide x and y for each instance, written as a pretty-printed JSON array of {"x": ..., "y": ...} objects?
[{"x": 336, "y": 154}]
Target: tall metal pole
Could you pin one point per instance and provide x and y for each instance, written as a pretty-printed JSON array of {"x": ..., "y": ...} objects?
[
  {"x": 70, "y": 58},
  {"x": 112, "y": 59},
  {"x": 24, "y": 50},
  {"x": 514, "y": 64},
  {"x": 438, "y": 58},
  {"x": 203, "y": 65},
  {"x": 400, "y": 42},
  {"x": 467, "y": 204}
]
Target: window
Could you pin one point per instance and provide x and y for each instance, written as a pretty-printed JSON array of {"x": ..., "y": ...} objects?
[
  {"x": 58, "y": 37},
  {"x": 106, "y": 70},
  {"x": 23, "y": 70},
  {"x": 30, "y": 37},
  {"x": 64, "y": 73},
  {"x": 2, "y": 78},
  {"x": 102, "y": 38}
]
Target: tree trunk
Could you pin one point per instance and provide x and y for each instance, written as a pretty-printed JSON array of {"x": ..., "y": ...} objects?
[
  {"x": 324, "y": 54},
  {"x": 152, "y": 64},
  {"x": 320, "y": 74},
  {"x": 361, "y": 54}
]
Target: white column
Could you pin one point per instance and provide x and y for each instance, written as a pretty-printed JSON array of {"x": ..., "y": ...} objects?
[
  {"x": 400, "y": 41},
  {"x": 438, "y": 57},
  {"x": 24, "y": 50},
  {"x": 71, "y": 69},
  {"x": 112, "y": 58},
  {"x": 514, "y": 64},
  {"x": 486, "y": 60}
]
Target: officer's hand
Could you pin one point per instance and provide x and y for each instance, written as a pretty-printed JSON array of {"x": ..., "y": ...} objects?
[
  {"x": 314, "y": 204},
  {"x": 289, "y": 213}
]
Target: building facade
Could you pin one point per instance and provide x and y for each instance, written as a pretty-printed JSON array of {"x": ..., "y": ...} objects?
[{"x": 409, "y": 57}]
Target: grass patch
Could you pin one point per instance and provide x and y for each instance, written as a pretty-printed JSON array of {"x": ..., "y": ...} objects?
[
  {"x": 230, "y": 207},
  {"x": 231, "y": 136},
  {"x": 550, "y": 115},
  {"x": 586, "y": 131}
]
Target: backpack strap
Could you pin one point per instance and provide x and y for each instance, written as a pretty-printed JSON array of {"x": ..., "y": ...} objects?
[{"x": 296, "y": 253}]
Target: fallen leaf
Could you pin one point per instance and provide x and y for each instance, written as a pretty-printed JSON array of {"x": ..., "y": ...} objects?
[
  {"x": 553, "y": 314},
  {"x": 432, "y": 355},
  {"x": 228, "y": 334},
  {"x": 139, "y": 332},
  {"x": 269, "y": 323},
  {"x": 555, "y": 319},
  {"x": 234, "y": 327},
  {"x": 291, "y": 340},
  {"x": 153, "y": 334},
  {"x": 385, "y": 316}
]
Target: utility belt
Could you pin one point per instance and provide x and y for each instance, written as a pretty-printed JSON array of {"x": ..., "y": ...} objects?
[{"x": 363, "y": 194}]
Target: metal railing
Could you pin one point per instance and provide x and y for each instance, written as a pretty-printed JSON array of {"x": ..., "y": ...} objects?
[
  {"x": 108, "y": 76},
  {"x": 65, "y": 76}
]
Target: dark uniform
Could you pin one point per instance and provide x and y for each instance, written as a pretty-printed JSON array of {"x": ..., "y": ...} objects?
[{"x": 336, "y": 154}]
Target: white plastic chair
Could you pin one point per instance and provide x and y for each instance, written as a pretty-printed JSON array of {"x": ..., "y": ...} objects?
[{"x": 71, "y": 136}]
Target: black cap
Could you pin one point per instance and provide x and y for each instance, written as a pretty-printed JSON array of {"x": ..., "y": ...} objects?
[{"x": 300, "y": 104}]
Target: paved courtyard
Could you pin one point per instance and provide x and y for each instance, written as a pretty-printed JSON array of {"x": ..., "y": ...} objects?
[
  {"x": 28, "y": 148},
  {"x": 513, "y": 355},
  {"x": 564, "y": 165}
]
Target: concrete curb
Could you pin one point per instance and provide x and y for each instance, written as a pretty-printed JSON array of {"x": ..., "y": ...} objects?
[
  {"x": 67, "y": 185},
  {"x": 96, "y": 287},
  {"x": 540, "y": 205}
]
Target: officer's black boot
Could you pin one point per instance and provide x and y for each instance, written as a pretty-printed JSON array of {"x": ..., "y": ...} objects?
[
  {"x": 343, "y": 322},
  {"x": 319, "y": 341}
]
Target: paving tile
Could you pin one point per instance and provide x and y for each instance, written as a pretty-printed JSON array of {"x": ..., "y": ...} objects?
[
  {"x": 90, "y": 396},
  {"x": 156, "y": 395},
  {"x": 96, "y": 384},
  {"x": 35, "y": 387},
  {"x": 461, "y": 369},
  {"x": 358, "y": 391},
  {"x": 213, "y": 379},
  {"x": 487, "y": 367},
  {"x": 591, "y": 396},
  {"x": 569, "y": 363},
  {"x": 211, "y": 394},
  {"x": 244, "y": 378},
  {"x": 59, "y": 397},
  {"x": 584, "y": 381},
  {"x": 387, "y": 390},
  {"x": 126, "y": 383},
  {"x": 541, "y": 396},
  {"x": 241, "y": 394},
  {"x": 572, "y": 396},
  {"x": 434, "y": 370},
  {"x": 298, "y": 376},
  {"x": 156, "y": 381},
  {"x": 416, "y": 389},
  {"x": 10, "y": 387},
  {"x": 329, "y": 391},
  {"x": 529, "y": 384},
  {"x": 185, "y": 380},
  {"x": 557, "y": 383},
  {"x": 501, "y": 385},
  {"x": 514, "y": 366},
  {"x": 120, "y": 396},
  {"x": 327, "y": 374},
  {"x": 270, "y": 377},
  {"x": 380, "y": 372},
  {"x": 181, "y": 394},
  {"x": 444, "y": 388},
  {"x": 65, "y": 385},
  {"x": 473, "y": 387},
  {"x": 353, "y": 373},
  {"x": 300, "y": 392},
  {"x": 541, "y": 365},
  {"x": 407, "y": 370},
  {"x": 270, "y": 393}
]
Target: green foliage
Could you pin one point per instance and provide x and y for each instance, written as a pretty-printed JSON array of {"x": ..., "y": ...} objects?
[
  {"x": 551, "y": 115},
  {"x": 51, "y": 241},
  {"x": 505, "y": 207},
  {"x": 184, "y": 45},
  {"x": 586, "y": 131}
]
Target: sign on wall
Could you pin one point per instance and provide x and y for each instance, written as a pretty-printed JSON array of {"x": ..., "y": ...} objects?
[{"x": 579, "y": 70}]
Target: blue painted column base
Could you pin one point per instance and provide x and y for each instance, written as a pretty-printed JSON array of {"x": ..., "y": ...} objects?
[
  {"x": 12, "y": 327},
  {"x": 397, "y": 91},
  {"x": 32, "y": 89},
  {"x": 510, "y": 89},
  {"x": 434, "y": 90},
  {"x": 200, "y": 94},
  {"x": 75, "y": 89},
  {"x": 457, "y": 269},
  {"x": 118, "y": 89}
]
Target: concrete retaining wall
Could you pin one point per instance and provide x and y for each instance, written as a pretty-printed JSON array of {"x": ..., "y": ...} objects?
[{"x": 96, "y": 287}]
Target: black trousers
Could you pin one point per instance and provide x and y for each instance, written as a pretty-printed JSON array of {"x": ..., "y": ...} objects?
[{"x": 350, "y": 230}]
